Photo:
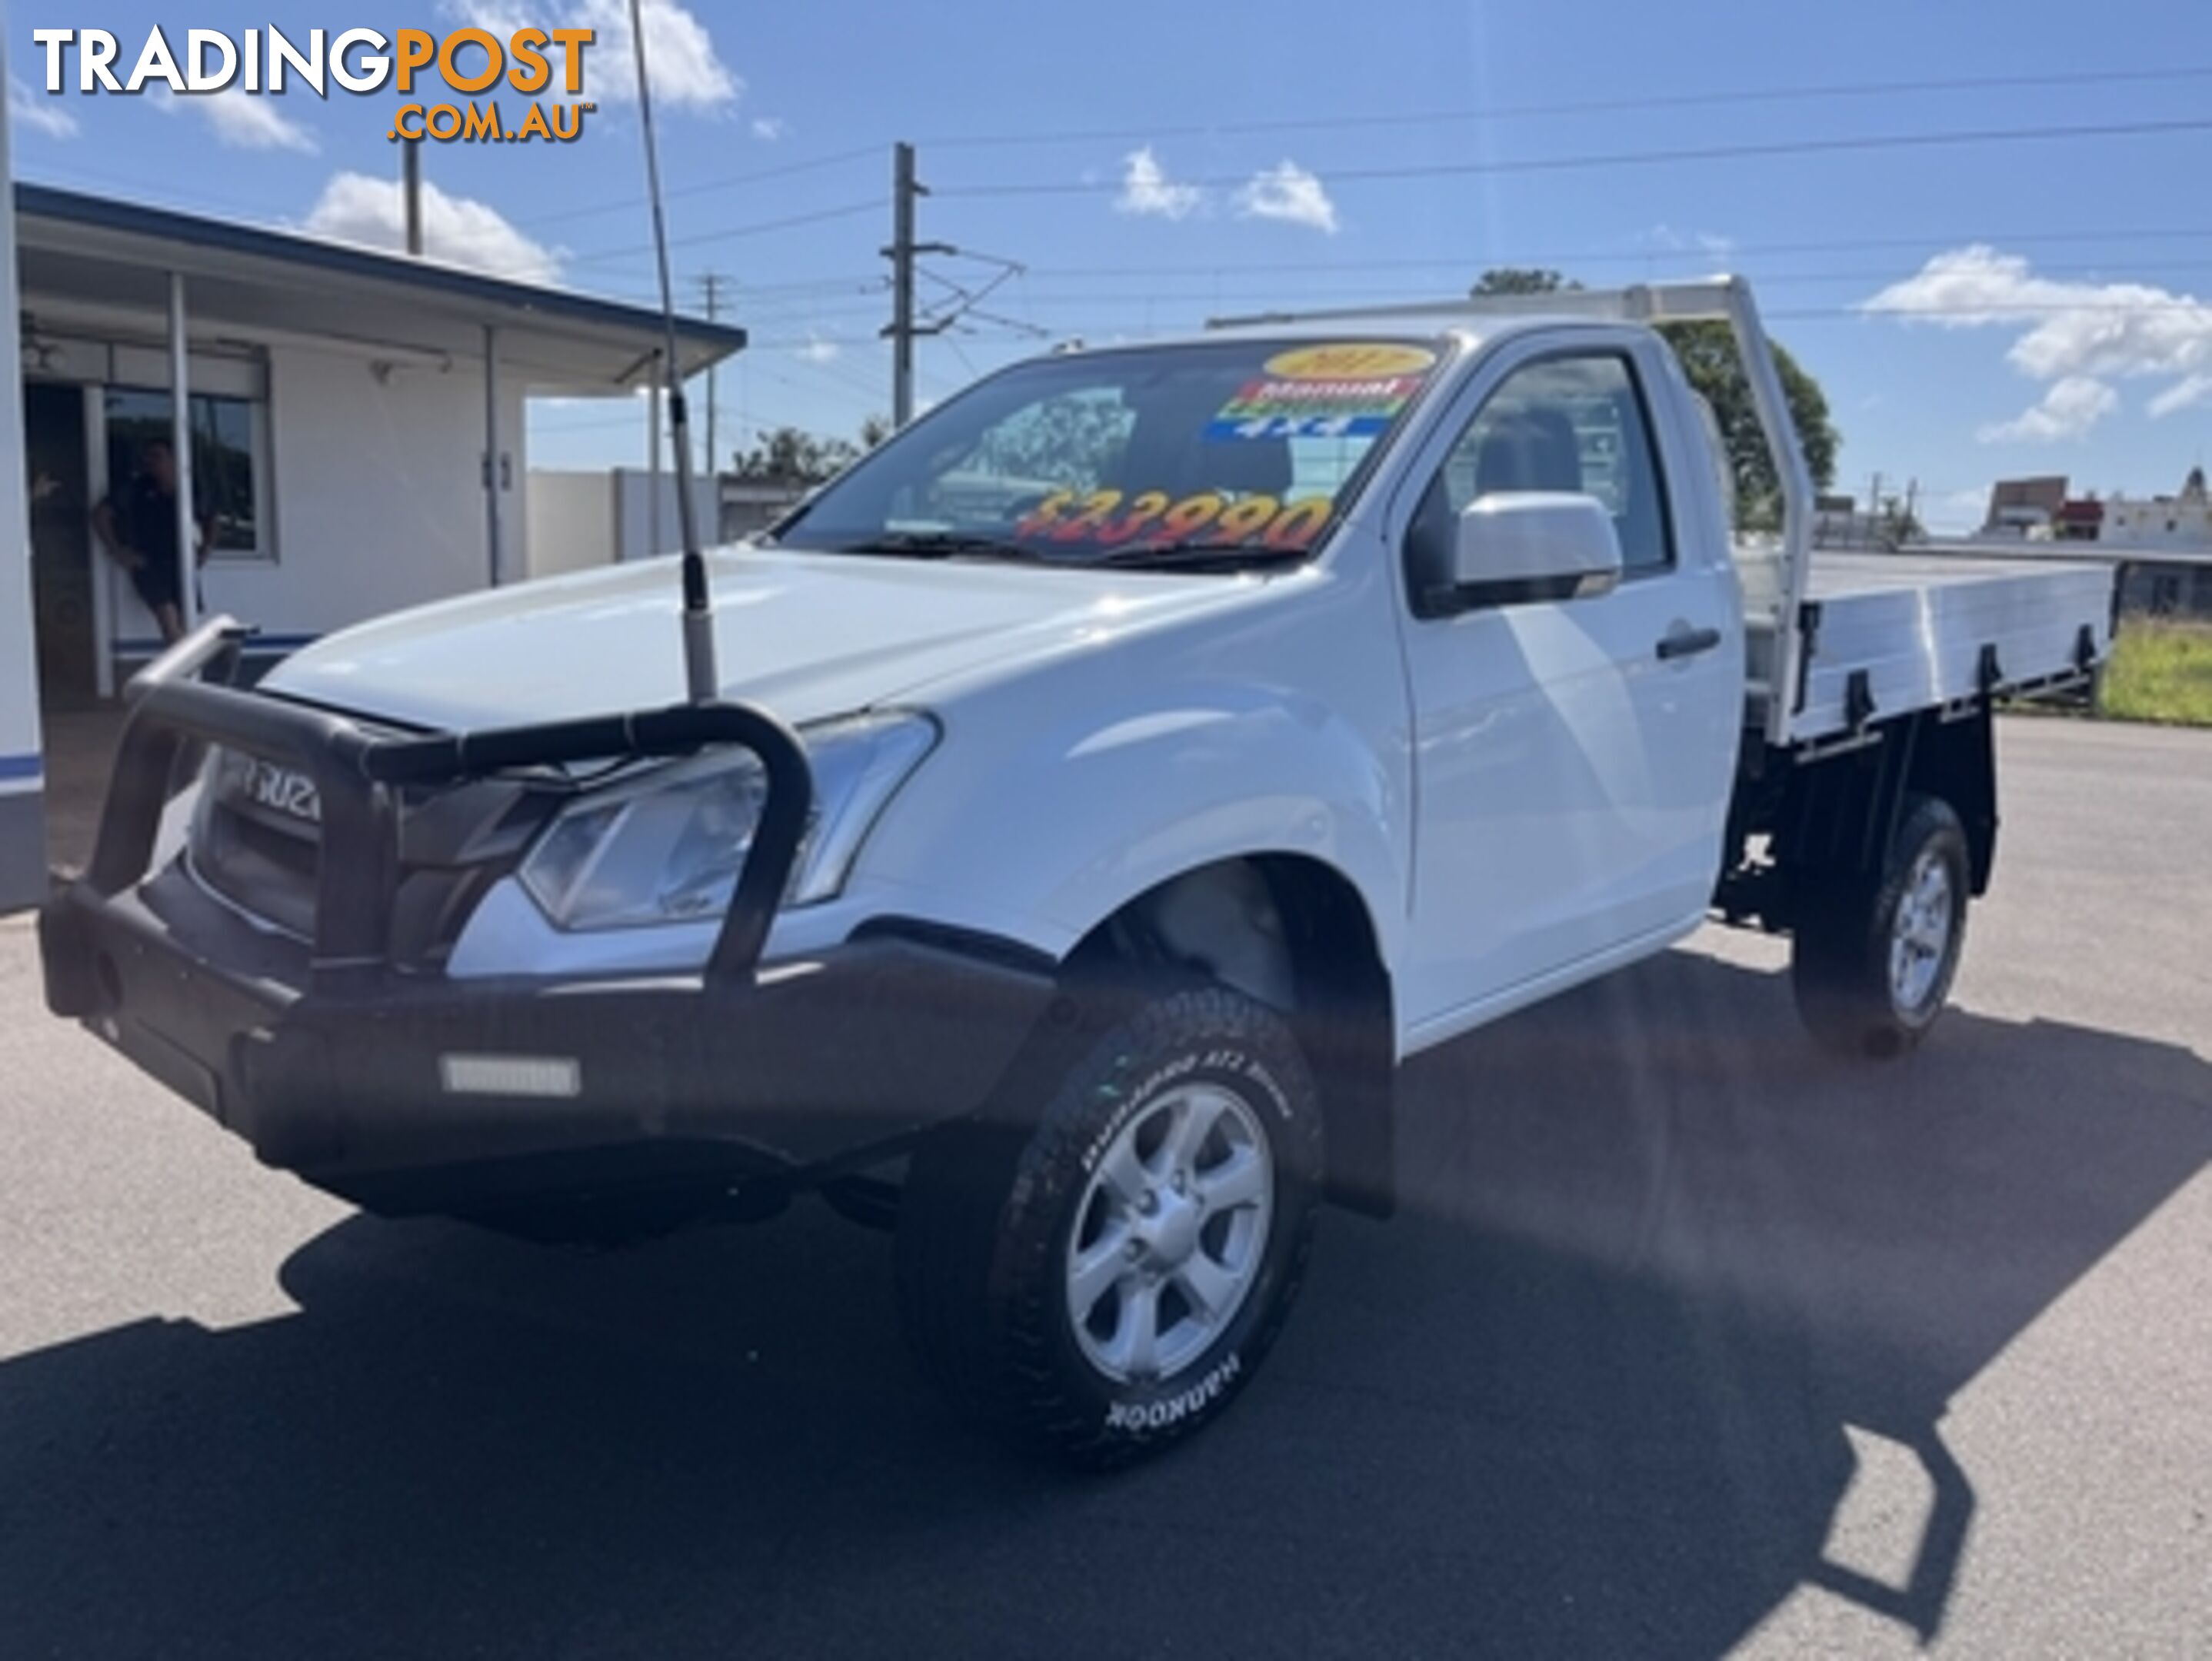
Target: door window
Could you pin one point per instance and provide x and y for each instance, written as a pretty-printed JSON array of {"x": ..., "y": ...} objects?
[{"x": 1571, "y": 423}]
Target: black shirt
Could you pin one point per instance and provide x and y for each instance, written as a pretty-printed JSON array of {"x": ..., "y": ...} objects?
[{"x": 146, "y": 516}]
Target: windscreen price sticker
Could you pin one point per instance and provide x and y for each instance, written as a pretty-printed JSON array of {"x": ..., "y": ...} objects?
[
  {"x": 1313, "y": 408},
  {"x": 1110, "y": 519}
]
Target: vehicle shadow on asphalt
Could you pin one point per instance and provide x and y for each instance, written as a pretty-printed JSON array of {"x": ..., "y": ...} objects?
[{"x": 1588, "y": 1394}]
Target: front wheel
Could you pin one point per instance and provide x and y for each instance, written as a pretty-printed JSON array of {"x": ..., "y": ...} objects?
[
  {"x": 1873, "y": 959},
  {"x": 1104, "y": 1276}
]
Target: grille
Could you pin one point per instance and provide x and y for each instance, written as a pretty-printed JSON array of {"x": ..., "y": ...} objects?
[
  {"x": 266, "y": 870},
  {"x": 256, "y": 843}
]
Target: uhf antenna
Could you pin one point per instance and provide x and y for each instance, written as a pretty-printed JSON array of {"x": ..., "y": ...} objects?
[{"x": 700, "y": 681}]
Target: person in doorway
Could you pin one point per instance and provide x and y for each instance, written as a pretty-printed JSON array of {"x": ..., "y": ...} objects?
[{"x": 137, "y": 526}]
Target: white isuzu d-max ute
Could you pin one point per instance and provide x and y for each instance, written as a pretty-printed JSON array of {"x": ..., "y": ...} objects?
[{"x": 1114, "y": 776}]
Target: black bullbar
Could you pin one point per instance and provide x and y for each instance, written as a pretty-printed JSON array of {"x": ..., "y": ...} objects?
[{"x": 409, "y": 1092}]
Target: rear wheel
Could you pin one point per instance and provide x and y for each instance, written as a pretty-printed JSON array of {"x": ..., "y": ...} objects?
[
  {"x": 1104, "y": 1278},
  {"x": 1874, "y": 958}
]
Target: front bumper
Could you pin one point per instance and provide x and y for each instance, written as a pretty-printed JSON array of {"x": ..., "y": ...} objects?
[{"x": 411, "y": 1093}]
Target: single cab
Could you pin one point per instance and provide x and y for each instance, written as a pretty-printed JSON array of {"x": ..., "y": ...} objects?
[{"x": 1115, "y": 777}]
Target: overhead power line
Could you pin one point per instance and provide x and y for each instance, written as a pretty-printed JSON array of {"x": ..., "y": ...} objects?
[
  {"x": 1766, "y": 281},
  {"x": 2024, "y": 308},
  {"x": 1093, "y": 328},
  {"x": 1720, "y": 98},
  {"x": 1734, "y": 96},
  {"x": 759, "y": 229},
  {"x": 1383, "y": 121},
  {"x": 1636, "y": 158},
  {"x": 705, "y": 187},
  {"x": 861, "y": 284},
  {"x": 865, "y": 282},
  {"x": 1617, "y": 256}
]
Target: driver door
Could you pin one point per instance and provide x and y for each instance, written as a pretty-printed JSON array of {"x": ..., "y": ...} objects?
[{"x": 1568, "y": 801}]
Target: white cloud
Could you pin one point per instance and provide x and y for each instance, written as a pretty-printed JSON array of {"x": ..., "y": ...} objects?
[
  {"x": 770, "y": 127},
  {"x": 1682, "y": 242},
  {"x": 2188, "y": 391},
  {"x": 1289, "y": 193},
  {"x": 241, "y": 120},
  {"x": 1956, "y": 512},
  {"x": 355, "y": 208},
  {"x": 2068, "y": 411},
  {"x": 1146, "y": 189},
  {"x": 818, "y": 351},
  {"x": 2065, "y": 332},
  {"x": 687, "y": 71},
  {"x": 38, "y": 111}
]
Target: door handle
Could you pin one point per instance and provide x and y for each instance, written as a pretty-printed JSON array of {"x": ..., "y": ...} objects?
[{"x": 1680, "y": 642}]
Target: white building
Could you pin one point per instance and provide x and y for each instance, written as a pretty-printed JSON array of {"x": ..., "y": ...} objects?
[
  {"x": 357, "y": 427},
  {"x": 2179, "y": 522},
  {"x": 579, "y": 518}
]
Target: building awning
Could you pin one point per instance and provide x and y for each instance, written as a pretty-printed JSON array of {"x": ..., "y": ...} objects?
[{"x": 98, "y": 253}]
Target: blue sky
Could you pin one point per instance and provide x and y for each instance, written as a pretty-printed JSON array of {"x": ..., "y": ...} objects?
[{"x": 1152, "y": 163}]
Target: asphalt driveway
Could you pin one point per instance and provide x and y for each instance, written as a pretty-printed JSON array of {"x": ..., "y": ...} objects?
[{"x": 1689, "y": 1341}]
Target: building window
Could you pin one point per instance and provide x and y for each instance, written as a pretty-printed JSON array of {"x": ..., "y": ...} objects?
[{"x": 230, "y": 473}]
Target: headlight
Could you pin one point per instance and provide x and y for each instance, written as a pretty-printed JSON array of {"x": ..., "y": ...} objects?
[{"x": 667, "y": 847}]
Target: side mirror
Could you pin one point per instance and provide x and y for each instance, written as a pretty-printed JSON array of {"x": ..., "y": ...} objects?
[{"x": 1518, "y": 546}]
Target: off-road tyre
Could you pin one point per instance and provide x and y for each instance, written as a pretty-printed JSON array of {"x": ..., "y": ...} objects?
[
  {"x": 1852, "y": 994},
  {"x": 994, "y": 1208}
]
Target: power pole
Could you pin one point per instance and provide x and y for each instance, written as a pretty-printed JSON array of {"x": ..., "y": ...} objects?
[
  {"x": 411, "y": 178},
  {"x": 713, "y": 285},
  {"x": 902, "y": 331}
]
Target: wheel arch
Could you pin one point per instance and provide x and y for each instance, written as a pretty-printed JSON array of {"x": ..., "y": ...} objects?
[
  {"x": 1837, "y": 815},
  {"x": 1956, "y": 760},
  {"x": 1292, "y": 931}
]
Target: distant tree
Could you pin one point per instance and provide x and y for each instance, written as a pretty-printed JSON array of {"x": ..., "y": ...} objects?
[
  {"x": 1715, "y": 368},
  {"x": 1709, "y": 361},
  {"x": 1520, "y": 280},
  {"x": 1897, "y": 525},
  {"x": 792, "y": 456}
]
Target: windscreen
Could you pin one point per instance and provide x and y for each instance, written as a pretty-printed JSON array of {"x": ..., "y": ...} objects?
[{"x": 1219, "y": 448}]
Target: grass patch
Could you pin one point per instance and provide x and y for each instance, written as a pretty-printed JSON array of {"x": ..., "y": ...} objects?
[{"x": 2161, "y": 671}]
